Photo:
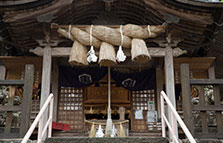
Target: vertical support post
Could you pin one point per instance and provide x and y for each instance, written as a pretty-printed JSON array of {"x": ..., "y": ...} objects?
[
  {"x": 170, "y": 88},
  {"x": 45, "y": 88},
  {"x": 186, "y": 101},
  {"x": 203, "y": 113},
  {"x": 217, "y": 99},
  {"x": 159, "y": 87},
  {"x": 27, "y": 99},
  {"x": 9, "y": 115},
  {"x": 162, "y": 118},
  {"x": 55, "y": 88},
  {"x": 2, "y": 72}
]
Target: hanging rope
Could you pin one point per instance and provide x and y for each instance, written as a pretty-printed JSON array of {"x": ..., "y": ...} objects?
[
  {"x": 91, "y": 53},
  {"x": 120, "y": 54},
  {"x": 149, "y": 30},
  {"x": 92, "y": 132},
  {"x": 69, "y": 31}
]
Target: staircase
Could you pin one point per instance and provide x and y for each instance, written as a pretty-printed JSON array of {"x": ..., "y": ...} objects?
[
  {"x": 137, "y": 138},
  {"x": 108, "y": 140}
]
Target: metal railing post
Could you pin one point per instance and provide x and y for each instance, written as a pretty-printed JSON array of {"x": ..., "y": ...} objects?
[
  {"x": 162, "y": 118},
  {"x": 40, "y": 129},
  {"x": 39, "y": 119},
  {"x": 51, "y": 117},
  {"x": 177, "y": 117}
]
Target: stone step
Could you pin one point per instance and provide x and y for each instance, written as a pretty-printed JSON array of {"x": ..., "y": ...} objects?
[
  {"x": 107, "y": 140},
  {"x": 14, "y": 141}
]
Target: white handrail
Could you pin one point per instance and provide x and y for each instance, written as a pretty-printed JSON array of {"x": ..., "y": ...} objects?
[
  {"x": 39, "y": 118},
  {"x": 176, "y": 115}
]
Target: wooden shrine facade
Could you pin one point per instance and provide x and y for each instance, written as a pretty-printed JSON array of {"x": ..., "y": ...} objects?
[{"x": 72, "y": 106}]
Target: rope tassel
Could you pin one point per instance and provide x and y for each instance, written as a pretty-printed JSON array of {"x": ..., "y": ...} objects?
[
  {"x": 91, "y": 57},
  {"x": 120, "y": 54}
]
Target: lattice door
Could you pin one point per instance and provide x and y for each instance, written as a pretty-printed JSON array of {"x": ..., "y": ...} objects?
[
  {"x": 70, "y": 108},
  {"x": 140, "y": 102}
]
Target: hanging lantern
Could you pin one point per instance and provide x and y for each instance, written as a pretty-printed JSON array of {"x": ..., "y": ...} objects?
[
  {"x": 78, "y": 54},
  {"x": 139, "y": 51},
  {"x": 107, "y": 55}
]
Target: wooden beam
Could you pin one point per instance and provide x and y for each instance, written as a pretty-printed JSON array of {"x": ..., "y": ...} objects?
[
  {"x": 195, "y": 17},
  {"x": 55, "y": 80},
  {"x": 9, "y": 136},
  {"x": 65, "y": 51},
  {"x": 159, "y": 85},
  {"x": 23, "y": 16},
  {"x": 9, "y": 115},
  {"x": 207, "y": 108},
  {"x": 45, "y": 86},
  {"x": 2, "y": 72},
  {"x": 170, "y": 87},
  {"x": 11, "y": 82},
  {"x": 206, "y": 81},
  {"x": 27, "y": 99},
  {"x": 186, "y": 97},
  {"x": 202, "y": 3},
  {"x": 10, "y": 108}
]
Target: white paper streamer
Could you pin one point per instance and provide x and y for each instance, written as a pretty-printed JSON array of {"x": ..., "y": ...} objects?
[
  {"x": 99, "y": 132},
  {"x": 114, "y": 131},
  {"x": 120, "y": 54},
  {"x": 91, "y": 57}
]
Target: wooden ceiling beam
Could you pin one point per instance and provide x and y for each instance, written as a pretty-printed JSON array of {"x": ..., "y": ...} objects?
[
  {"x": 199, "y": 18},
  {"x": 65, "y": 51},
  {"x": 34, "y": 13}
]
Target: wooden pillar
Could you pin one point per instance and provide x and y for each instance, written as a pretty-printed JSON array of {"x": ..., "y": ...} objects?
[
  {"x": 55, "y": 88},
  {"x": 45, "y": 85},
  {"x": 217, "y": 99},
  {"x": 2, "y": 72},
  {"x": 170, "y": 87},
  {"x": 9, "y": 114},
  {"x": 27, "y": 99},
  {"x": 159, "y": 87},
  {"x": 186, "y": 96}
]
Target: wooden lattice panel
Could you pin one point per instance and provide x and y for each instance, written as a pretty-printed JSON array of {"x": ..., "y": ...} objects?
[
  {"x": 70, "y": 107},
  {"x": 140, "y": 102}
]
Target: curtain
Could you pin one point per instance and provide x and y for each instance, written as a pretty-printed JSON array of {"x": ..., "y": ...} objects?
[{"x": 80, "y": 77}]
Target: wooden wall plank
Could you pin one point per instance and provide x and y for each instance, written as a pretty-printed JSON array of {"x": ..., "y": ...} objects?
[
  {"x": 9, "y": 114},
  {"x": 2, "y": 72},
  {"x": 186, "y": 97},
  {"x": 27, "y": 99},
  {"x": 159, "y": 88}
]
